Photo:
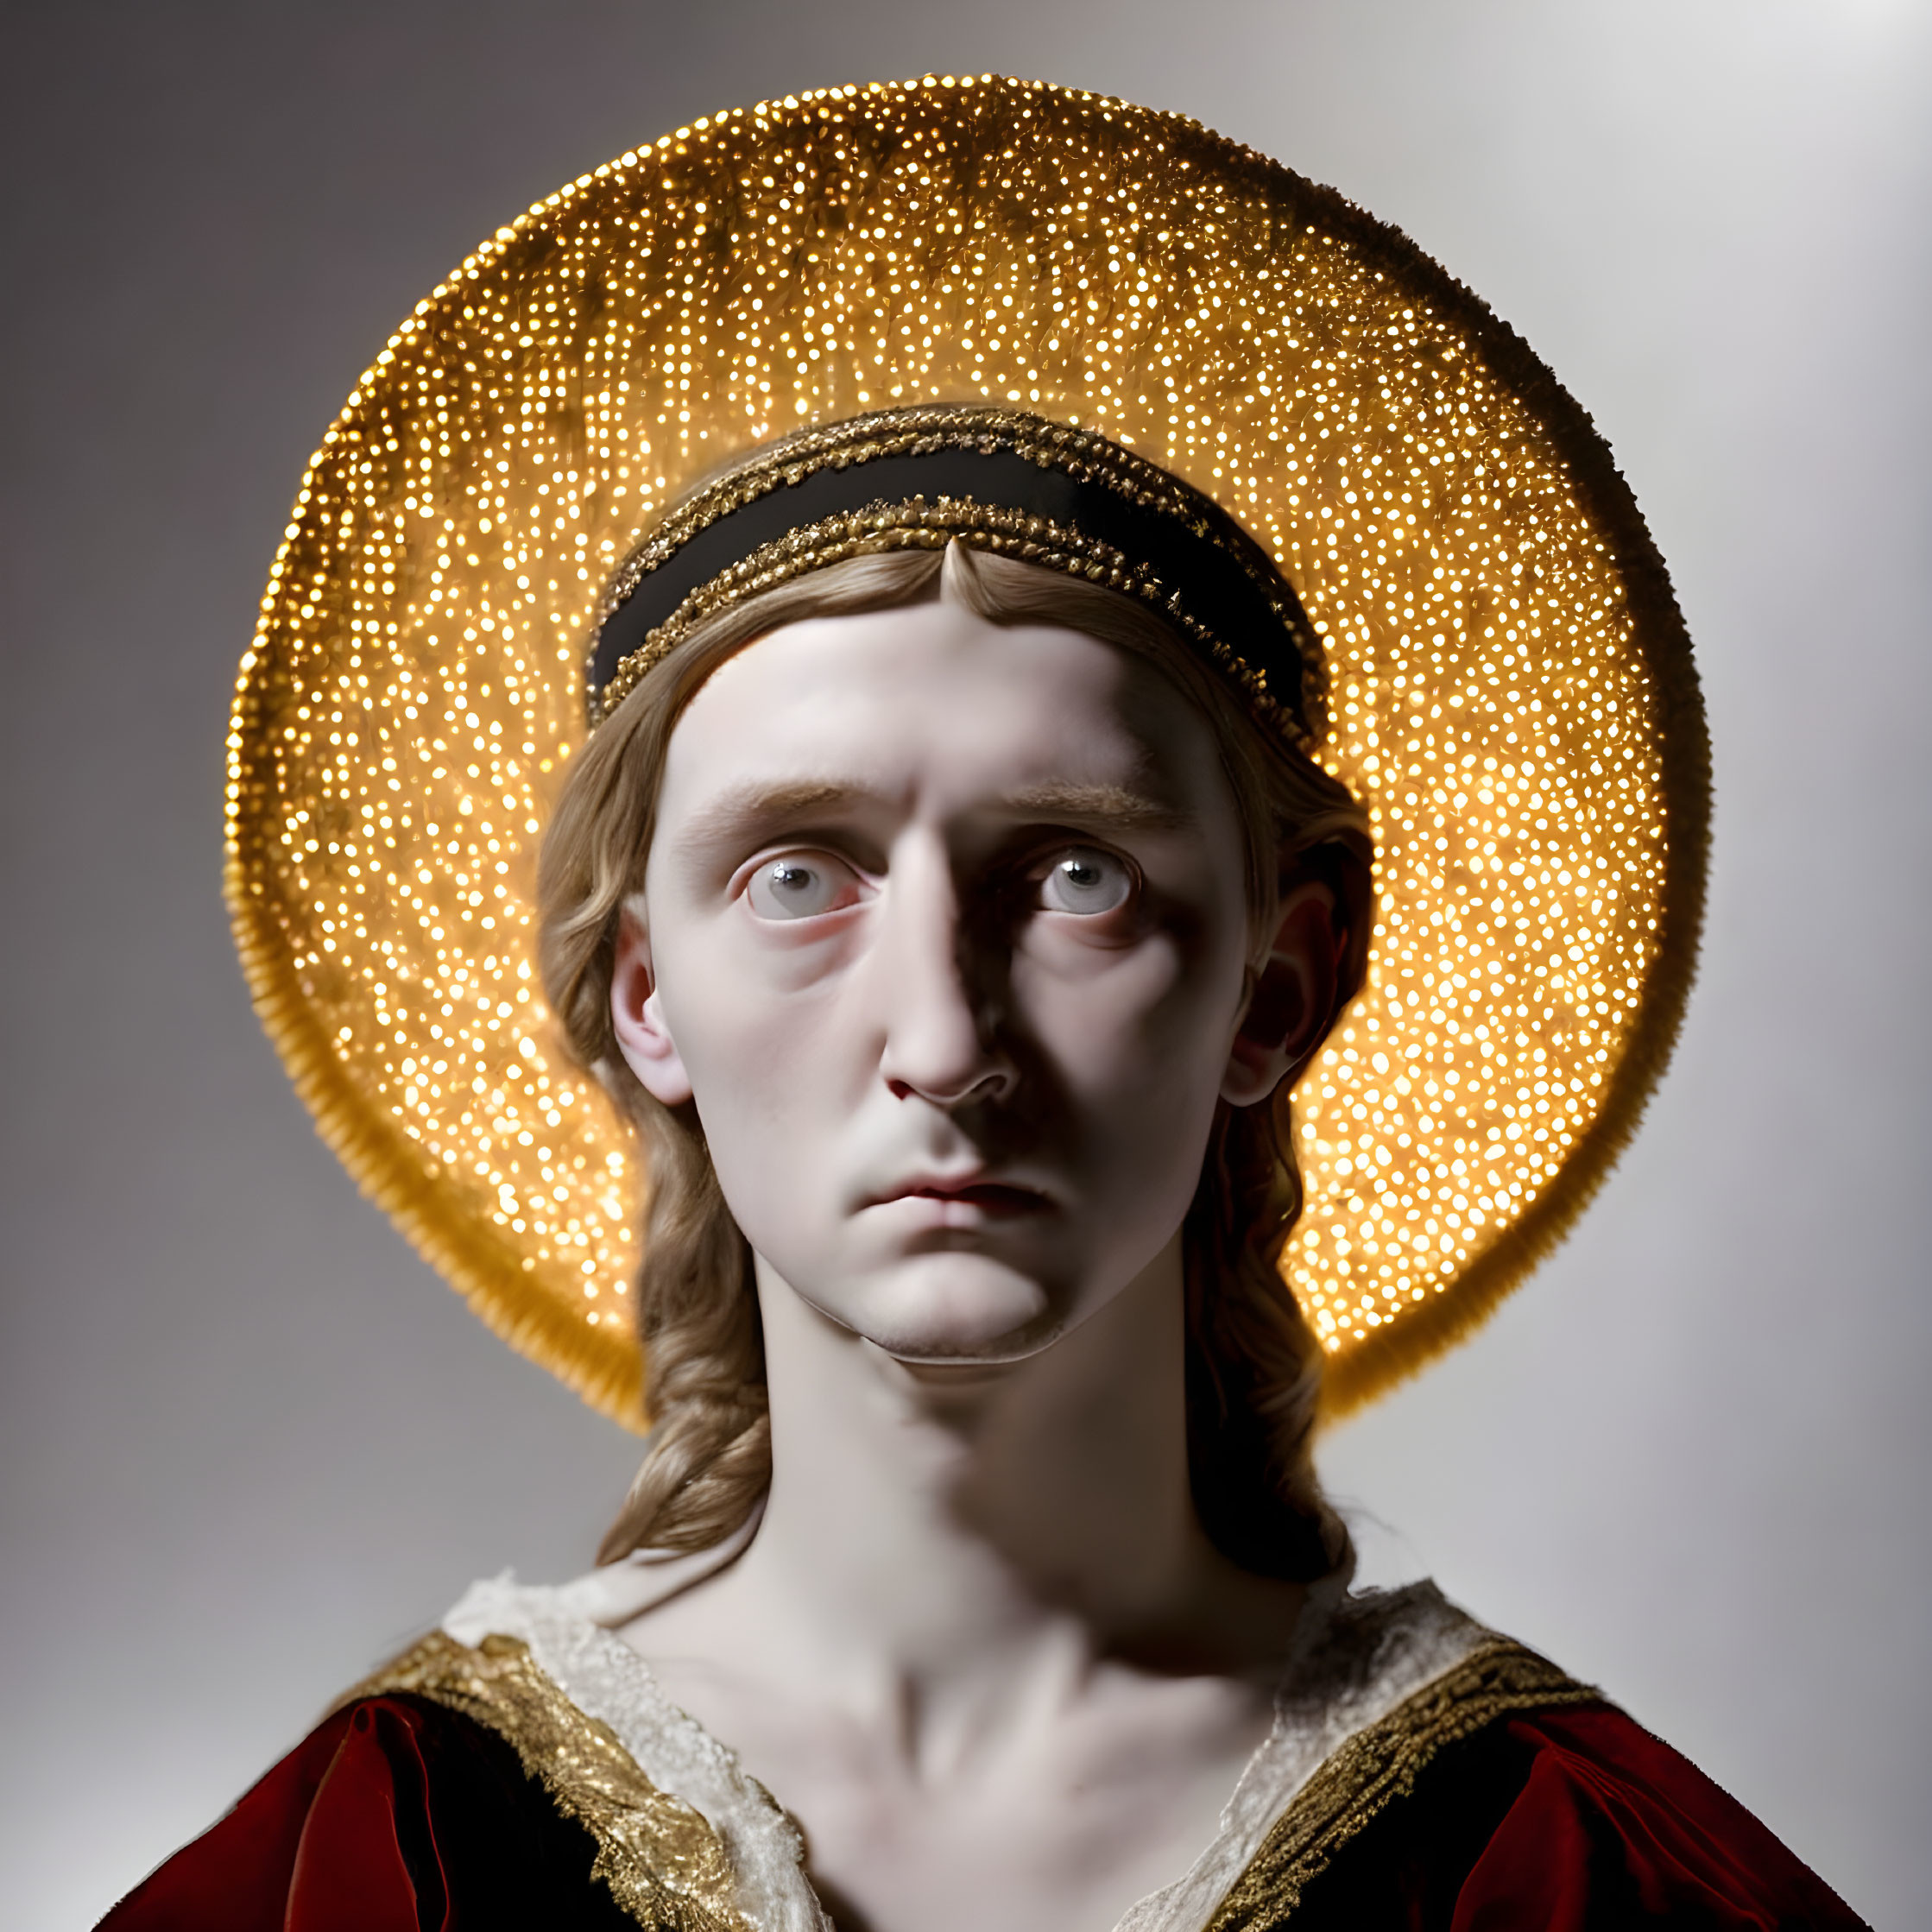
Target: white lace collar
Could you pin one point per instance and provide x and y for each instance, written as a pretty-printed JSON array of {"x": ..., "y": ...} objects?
[{"x": 1356, "y": 1658}]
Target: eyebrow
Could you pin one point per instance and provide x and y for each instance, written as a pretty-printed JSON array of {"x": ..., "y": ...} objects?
[
  {"x": 762, "y": 809},
  {"x": 1111, "y": 804},
  {"x": 748, "y": 808}
]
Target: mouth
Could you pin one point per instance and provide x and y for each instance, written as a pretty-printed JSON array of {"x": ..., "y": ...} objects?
[{"x": 965, "y": 1200}]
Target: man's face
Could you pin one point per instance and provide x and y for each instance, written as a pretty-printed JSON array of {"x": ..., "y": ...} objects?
[{"x": 946, "y": 938}]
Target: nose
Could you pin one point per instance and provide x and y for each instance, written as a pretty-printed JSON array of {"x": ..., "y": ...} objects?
[{"x": 938, "y": 1042}]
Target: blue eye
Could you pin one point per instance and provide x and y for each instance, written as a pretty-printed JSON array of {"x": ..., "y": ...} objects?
[
  {"x": 801, "y": 885},
  {"x": 1086, "y": 880}
]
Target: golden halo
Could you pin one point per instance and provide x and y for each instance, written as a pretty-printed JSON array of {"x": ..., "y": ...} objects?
[{"x": 1511, "y": 691}]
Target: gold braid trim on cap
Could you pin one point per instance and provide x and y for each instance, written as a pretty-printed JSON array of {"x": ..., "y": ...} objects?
[
  {"x": 664, "y": 1864},
  {"x": 1379, "y": 1766},
  {"x": 918, "y": 525},
  {"x": 915, "y": 523}
]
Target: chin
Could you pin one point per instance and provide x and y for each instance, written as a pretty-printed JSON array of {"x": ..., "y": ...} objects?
[{"x": 953, "y": 1307}]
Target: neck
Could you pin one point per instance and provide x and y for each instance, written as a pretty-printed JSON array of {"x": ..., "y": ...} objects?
[{"x": 931, "y": 1523}]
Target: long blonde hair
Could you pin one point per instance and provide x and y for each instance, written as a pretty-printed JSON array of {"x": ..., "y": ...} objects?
[{"x": 1253, "y": 1368}]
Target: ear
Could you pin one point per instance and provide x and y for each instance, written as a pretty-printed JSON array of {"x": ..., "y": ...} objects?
[
  {"x": 1295, "y": 997},
  {"x": 637, "y": 1017}
]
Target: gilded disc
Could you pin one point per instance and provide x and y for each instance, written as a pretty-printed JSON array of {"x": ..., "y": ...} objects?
[{"x": 1511, "y": 689}]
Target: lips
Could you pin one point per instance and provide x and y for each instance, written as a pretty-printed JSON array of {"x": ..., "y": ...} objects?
[{"x": 965, "y": 1198}]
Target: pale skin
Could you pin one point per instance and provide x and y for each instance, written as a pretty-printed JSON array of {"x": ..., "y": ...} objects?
[{"x": 945, "y": 930}]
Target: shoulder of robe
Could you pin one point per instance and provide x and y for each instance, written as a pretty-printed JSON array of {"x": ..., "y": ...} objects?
[
  {"x": 458, "y": 1789},
  {"x": 1506, "y": 1794}
]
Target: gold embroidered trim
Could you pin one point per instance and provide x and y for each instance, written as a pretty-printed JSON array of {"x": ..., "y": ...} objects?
[
  {"x": 667, "y": 1868},
  {"x": 917, "y": 524},
  {"x": 1378, "y": 1765},
  {"x": 664, "y": 1864}
]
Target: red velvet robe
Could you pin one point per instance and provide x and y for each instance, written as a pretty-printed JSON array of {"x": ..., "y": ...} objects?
[{"x": 399, "y": 1815}]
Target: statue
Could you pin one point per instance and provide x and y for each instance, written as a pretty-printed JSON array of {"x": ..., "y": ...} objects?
[{"x": 1133, "y": 845}]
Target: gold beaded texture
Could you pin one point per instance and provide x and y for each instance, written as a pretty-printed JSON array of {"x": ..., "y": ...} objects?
[{"x": 1510, "y": 688}]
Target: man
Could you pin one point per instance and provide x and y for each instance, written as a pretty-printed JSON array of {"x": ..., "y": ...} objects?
[{"x": 956, "y": 891}]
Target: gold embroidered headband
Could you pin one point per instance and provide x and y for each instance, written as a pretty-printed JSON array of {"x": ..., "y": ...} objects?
[
  {"x": 1481, "y": 641},
  {"x": 998, "y": 478}
]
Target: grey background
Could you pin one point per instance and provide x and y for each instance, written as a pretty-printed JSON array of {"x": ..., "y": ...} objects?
[{"x": 246, "y": 1444}]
